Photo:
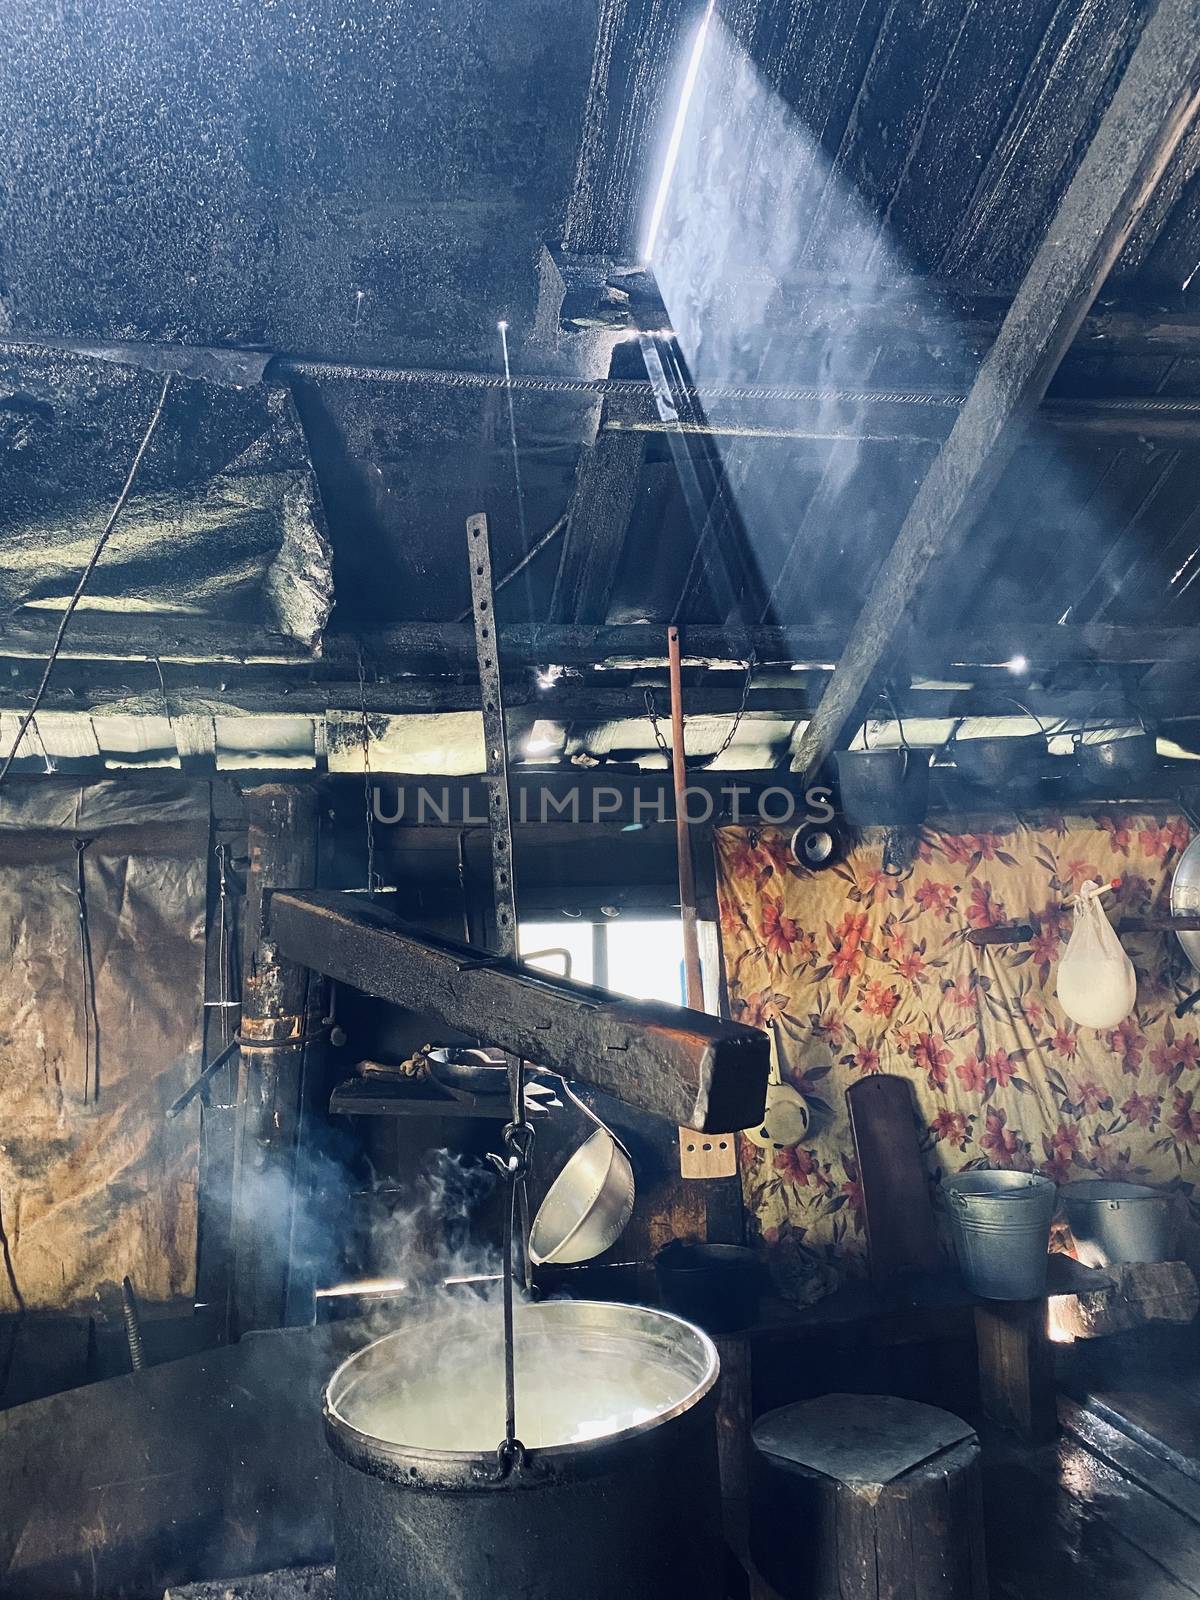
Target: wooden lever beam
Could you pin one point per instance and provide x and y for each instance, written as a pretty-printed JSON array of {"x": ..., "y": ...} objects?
[{"x": 699, "y": 1071}]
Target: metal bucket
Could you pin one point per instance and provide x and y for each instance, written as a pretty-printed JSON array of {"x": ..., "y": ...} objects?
[
  {"x": 1114, "y": 1222},
  {"x": 1002, "y": 1231},
  {"x": 631, "y": 1510}
]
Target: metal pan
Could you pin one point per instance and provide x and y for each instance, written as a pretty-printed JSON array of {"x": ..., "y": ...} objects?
[
  {"x": 1185, "y": 898},
  {"x": 462, "y": 1070}
]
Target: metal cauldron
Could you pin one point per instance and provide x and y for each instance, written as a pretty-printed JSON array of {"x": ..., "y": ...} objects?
[
  {"x": 1016, "y": 761},
  {"x": 1106, "y": 758},
  {"x": 633, "y": 1510},
  {"x": 883, "y": 787}
]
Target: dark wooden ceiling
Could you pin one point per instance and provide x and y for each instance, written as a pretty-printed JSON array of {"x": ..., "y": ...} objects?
[{"x": 374, "y": 188}]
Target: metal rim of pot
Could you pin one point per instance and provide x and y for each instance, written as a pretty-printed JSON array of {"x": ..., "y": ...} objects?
[
  {"x": 1185, "y": 900},
  {"x": 425, "y": 1467}
]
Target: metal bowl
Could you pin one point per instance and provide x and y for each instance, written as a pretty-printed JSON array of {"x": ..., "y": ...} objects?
[
  {"x": 587, "y": 1206},
  {"x": 1185, "y": 898}
]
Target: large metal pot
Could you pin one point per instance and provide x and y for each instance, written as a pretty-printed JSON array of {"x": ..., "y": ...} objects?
[
  {"x": 1113, "y": 1222},
  {"x": 632, "y": 1510}
]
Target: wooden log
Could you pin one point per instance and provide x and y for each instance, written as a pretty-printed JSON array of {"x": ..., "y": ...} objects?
[
  {"x": 699, "y": 1071},
  {"x": 606, "y": 489},
  {"x": 915, "y": 310},
  {"x": 1154, "y": 104},
  {"x": 292, "y": 1583},
  {"x": 448, "y": 647},
  {"x": 734, "y": 1413},
  {"x": 1016, "y": 1367},
  {"x": 1142, "y": 1292},
  {"x": 867, "y": 1496},
  {"x": 280, "y": 1013}
]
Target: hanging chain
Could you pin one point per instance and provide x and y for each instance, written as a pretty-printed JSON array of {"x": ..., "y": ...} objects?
[
  {"x": 372, "y": 884},
  {"x": 652, "y": 713},
  {"x": 704, "y": 761}
]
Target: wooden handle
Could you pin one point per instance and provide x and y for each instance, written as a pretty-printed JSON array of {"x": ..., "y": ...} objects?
[{"x": 693, "y": 978}]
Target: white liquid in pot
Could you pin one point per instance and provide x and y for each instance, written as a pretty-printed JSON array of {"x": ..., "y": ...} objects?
[{"x": 455, "y": 1398}]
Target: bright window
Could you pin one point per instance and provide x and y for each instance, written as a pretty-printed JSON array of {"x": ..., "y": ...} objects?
[{"x": 640, "y": 958}]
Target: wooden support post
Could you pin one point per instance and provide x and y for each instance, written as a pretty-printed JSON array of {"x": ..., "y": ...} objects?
[
  {"x": 277, "y": 1018},
  {"x": 735, "y": 1415},
  {"x": 1016, "y": 1367},
  {"x": 1151, "y": 110}
]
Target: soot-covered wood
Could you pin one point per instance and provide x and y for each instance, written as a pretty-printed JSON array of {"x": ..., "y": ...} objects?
[{"x": 696, "y": 1070}]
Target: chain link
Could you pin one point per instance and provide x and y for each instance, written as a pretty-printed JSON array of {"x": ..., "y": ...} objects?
[{"x": 703, "y": 761}]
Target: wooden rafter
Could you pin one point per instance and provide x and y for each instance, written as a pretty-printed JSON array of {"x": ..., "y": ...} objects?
[
  {"x": 602, "y": 505},
  {"x": 1151, "y": 110}
]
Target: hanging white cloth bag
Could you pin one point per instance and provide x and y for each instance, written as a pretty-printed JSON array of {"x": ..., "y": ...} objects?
[{"x": 1097, "y": 984}]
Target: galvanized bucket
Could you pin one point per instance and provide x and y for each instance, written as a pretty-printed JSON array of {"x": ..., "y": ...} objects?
[
  {"x": 1002, "y": 1231},
  {"x": 1114, "y": 1222}
]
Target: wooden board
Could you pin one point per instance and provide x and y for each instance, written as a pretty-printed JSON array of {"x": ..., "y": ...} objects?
[{"x": 699, "y": 1071}]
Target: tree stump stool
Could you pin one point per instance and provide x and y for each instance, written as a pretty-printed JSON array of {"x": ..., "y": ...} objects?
[{"x": 866, "y": 1497}]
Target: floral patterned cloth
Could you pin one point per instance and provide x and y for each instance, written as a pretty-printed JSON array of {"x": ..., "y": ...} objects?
[{"x": 853, "y": 972}]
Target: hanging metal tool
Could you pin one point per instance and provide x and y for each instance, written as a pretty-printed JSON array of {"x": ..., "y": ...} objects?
[
  {"x": 514, "y": 1164},
  {"x": 701, "y": 1155}
]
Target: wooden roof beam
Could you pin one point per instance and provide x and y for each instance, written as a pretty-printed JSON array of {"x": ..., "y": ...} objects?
[
  {"x": 1154, "y": 104},
  {"x": 425, "y": 651}
]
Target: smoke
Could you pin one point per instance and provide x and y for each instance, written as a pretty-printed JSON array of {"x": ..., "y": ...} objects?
[
  {"x": 775, "y": 271},
  {"x": 427, "y": 1232},
  {"x": 768, "y": 262}
]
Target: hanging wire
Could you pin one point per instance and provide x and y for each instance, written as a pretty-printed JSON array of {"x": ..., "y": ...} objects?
[
  {"x": 502, "y": 328},
  {"x": 514, "y": 1167},
  {"x": 91, "y": 1015},
  {"x": 551, "y": 533},
  {"x": 366, "y": 751},
  {"x": 85, "y": 575}
]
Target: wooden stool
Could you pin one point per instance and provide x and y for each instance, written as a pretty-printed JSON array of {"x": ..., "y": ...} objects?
[{"x": 866, "y": 1497}]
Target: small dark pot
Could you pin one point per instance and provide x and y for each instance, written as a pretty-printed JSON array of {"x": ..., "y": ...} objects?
[
  {"x": 1116, "y": 760},
  {"x": 989, "y": 763},
  {"x": 716, "y": 1286},
  {"x": 883, "y": 787}
]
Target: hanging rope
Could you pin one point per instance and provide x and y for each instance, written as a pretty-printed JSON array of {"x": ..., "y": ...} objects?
[{"x": 91, "y": 1015}]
